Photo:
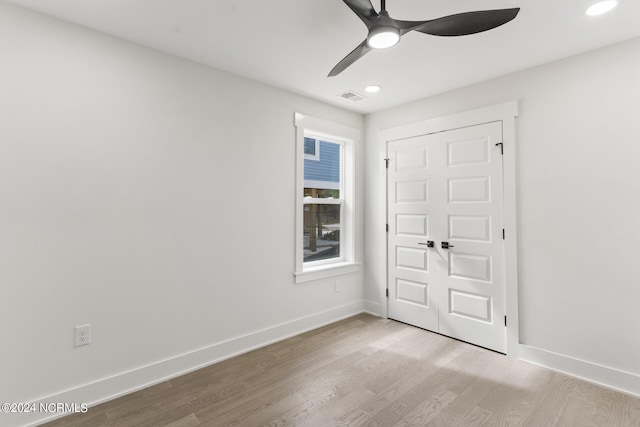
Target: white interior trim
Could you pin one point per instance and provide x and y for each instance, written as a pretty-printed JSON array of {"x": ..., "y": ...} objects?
[
  {"x": 592, "y": 372},
  {"x": 349, "y": 137},
  {"x": 372, "y": 308},
  {"x": 326, "y": 270}
]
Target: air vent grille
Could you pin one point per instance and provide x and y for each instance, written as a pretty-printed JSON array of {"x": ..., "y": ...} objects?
[{"x": 352, "y": 96}]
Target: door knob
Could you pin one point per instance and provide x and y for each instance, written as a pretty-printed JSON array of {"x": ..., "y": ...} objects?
[
  {"x": 429, "y": 243},
  {"x": 446, "y": 245}
]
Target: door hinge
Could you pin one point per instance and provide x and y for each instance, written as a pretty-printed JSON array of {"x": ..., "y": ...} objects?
[
  {"x": 503, "y": 234},
  {"x": 505, "y": 320},
  {"x": 501, "y": 147},
  {"x": 386, "y": 163},
  {"x": 387, "y": 227},
  {"x": 387, "y": 292}
]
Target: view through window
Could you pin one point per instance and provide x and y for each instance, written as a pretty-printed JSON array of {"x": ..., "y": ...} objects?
[{"x": 323, "y": 203}]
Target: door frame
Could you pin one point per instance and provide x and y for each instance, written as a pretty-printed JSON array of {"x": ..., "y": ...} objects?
[{"x": 507, "y": 113}]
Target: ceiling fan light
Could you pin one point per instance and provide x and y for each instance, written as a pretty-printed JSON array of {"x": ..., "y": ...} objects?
[
  {"x": 601, "y": 7},
  {"x": 383, "y": 37}
]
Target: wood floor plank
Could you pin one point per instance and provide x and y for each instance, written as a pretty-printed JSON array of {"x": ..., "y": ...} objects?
[
  {"x": 426, "y": 410},
  {"x": 486, "y": 387},
  {"x": 366, "y": 371},
  {"x": 477, "y": 417},
  {"x": 405, "y": 382},
  {"x": 187, "y": 421},
  {"x": 332, "y": 413},
  {"x": 469, "y": 360},
  {"x": 523, "y": 398}
]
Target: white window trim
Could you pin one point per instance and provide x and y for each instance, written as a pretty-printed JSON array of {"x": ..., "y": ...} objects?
[
  {"x": 348, "y": 137},
  {"x": 315, "y": 156}
]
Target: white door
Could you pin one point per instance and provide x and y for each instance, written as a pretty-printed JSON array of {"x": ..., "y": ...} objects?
[
  {"x": 412, "y": 215},
  {"x": 446, "y": 188}
]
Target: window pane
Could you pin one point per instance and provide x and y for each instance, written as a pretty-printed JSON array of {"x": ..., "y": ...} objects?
[
  {"x": 322, "y": 175},
  {"x": 321, "y": 232},
  {"x": 310, "y": 146}
]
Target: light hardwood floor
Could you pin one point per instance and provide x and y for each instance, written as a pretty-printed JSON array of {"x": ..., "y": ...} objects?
[{"x": 365, "y": 371}]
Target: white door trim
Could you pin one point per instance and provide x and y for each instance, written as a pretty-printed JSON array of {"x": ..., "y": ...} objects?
[{"x": 505, "y": 112}]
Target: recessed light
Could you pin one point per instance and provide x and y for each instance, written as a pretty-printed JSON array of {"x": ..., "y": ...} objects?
[
  {"x": 601, "y": 7},
  {"x": 373, "y": 88}
]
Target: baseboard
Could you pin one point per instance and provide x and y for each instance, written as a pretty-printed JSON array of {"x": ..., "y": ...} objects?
[
  {"x": 130, "y": 381},
  {"x": 372, "y": 308},
  {"x": 625, "y": 382}
]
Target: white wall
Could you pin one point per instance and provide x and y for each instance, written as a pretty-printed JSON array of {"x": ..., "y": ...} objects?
[
  {"x": 578, "y": 145},
  {"x": 149, "y": 196}
]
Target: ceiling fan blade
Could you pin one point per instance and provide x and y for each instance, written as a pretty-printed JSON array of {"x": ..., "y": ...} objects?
[
  {"x": 405, "y": 26},
  {"x": 463, "y": 24},
  {"x": 364, "y": 9},
  {"x": 355, "y": 54}
]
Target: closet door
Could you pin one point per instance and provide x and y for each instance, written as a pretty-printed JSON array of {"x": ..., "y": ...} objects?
[{"x": 446, "y": 188}]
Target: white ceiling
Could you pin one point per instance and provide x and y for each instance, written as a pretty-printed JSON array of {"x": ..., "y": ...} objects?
[{"x": 293, "y": 44}]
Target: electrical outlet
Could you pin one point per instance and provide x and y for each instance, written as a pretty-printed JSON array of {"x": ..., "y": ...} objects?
[
  {"x": 337, "y": 284},
  {"x": 82, "y": 335}
]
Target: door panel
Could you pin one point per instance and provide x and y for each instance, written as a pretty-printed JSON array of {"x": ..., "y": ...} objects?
[
  {"x": 470, "y": 190},
  {"x": 411, "y": 192},
  {"x": 415, "y": 158},
  {"x": 470, "y": 228},
  {"x": 412, "y": 225},
  {"x": 473, "y": 307},
  {"x": 465, "y": 266},
  {"x": 411, "y": 258},
  {"x": 468, "y": 152},
  {"x": 447, "y": 187},
  {"x": 413, "y": 292}
]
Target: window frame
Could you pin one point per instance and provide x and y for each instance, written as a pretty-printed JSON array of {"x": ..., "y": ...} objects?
[{"x": 347, "y": 137}]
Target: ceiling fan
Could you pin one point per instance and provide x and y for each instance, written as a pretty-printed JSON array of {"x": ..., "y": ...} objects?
[{"x": 385, "y": 31}]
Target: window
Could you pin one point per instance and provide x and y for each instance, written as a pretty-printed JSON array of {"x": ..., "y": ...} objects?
[
  {"x": 323, "y": 202},
  {"x": 324, "y": 199}
]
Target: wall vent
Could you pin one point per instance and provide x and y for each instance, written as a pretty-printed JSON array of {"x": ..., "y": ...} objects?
[{"x": 352, "y": 96}]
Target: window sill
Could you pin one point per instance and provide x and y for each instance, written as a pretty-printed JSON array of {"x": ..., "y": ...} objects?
[{"x": 324, "y": 271}]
